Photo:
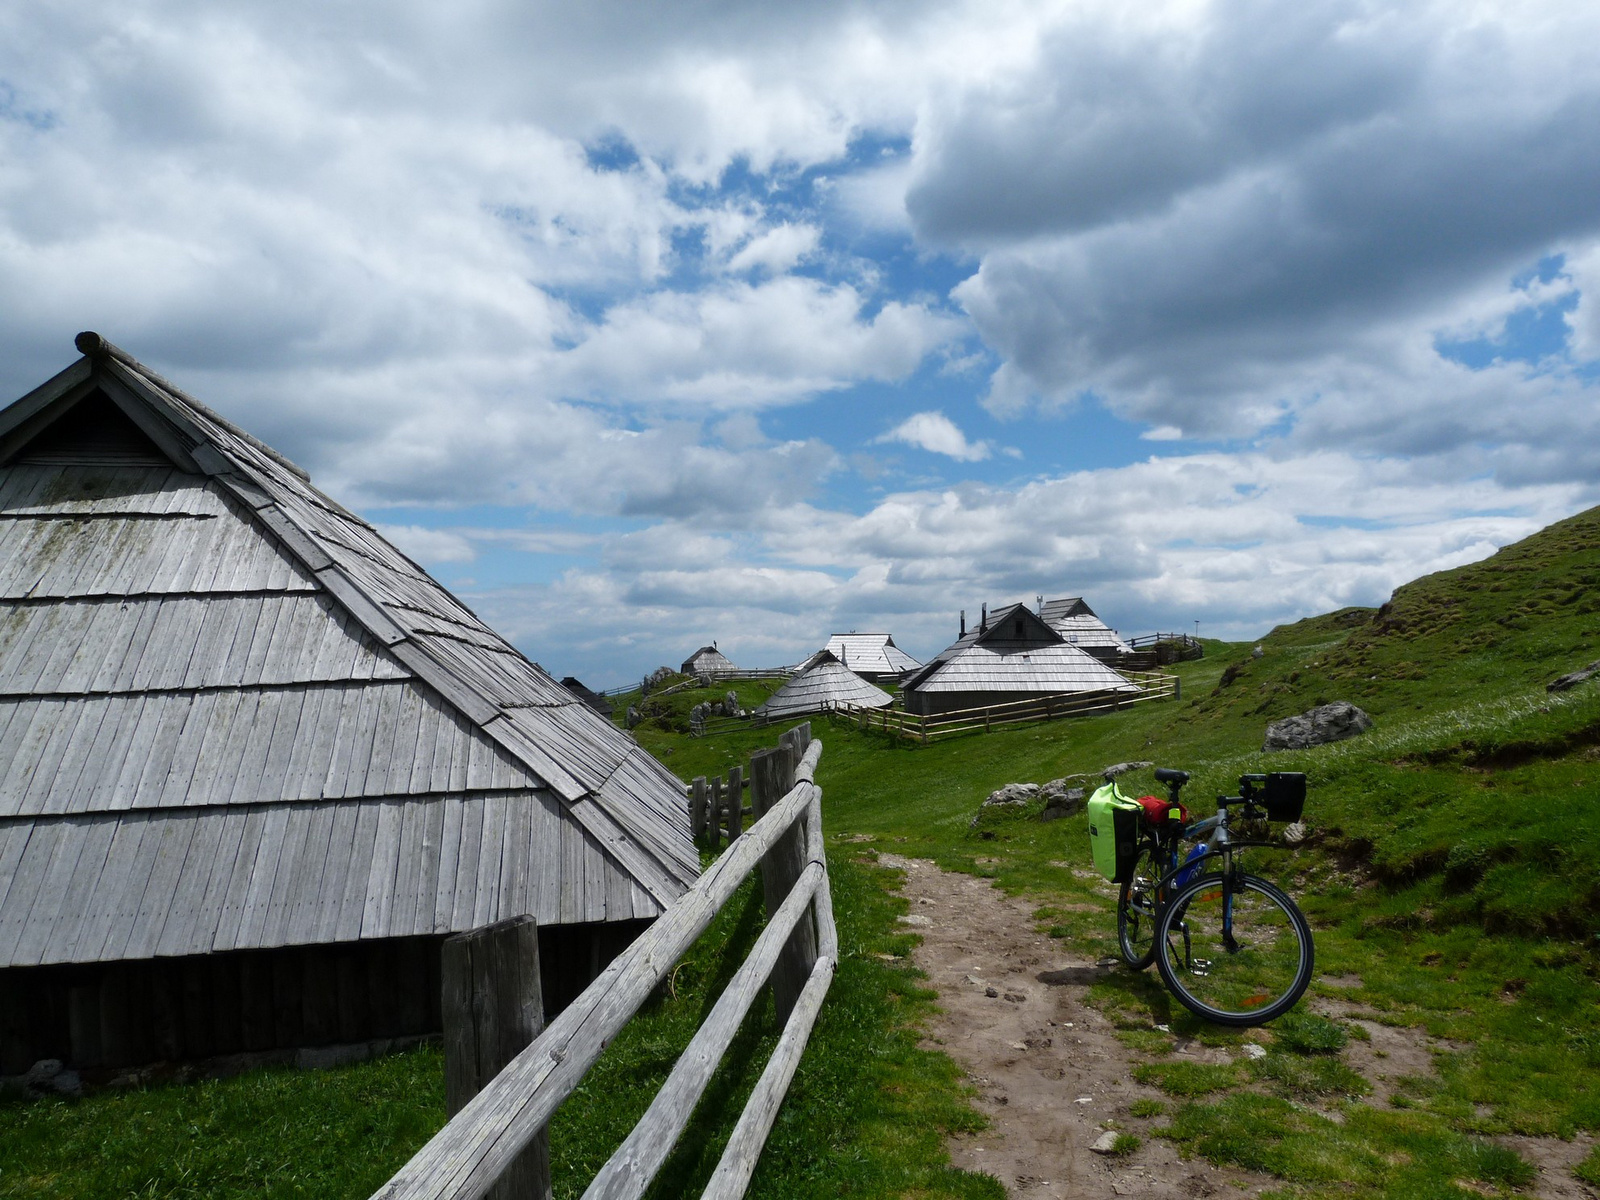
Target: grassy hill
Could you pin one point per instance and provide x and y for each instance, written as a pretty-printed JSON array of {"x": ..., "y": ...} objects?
[{"x": 1453, "y": 876}]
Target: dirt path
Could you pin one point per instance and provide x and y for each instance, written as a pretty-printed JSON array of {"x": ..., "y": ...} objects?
[{"x": 1049, "y": 1069}]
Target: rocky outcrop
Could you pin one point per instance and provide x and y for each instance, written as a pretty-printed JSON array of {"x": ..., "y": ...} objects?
[
  {"x": 1574, "y": 679},
  {"x": 1325, "y": 723},
  {"x": 1061, "y": 799}
]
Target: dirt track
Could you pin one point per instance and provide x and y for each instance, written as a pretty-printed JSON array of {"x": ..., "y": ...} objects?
[{"x": 1050, "y": 1071}]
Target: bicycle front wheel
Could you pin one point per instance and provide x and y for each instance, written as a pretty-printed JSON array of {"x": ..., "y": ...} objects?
[
  {"x": 1234, "y": 950},
  {"x": 1136, "y": 910}
]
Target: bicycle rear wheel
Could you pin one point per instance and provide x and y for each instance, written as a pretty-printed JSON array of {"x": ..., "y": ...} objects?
[
  {"x": 1136, "y": 910},
  {"x": 1236, "y": 951}
]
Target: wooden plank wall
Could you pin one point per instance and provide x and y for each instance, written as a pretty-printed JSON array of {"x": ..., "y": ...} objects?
[{"x": 125, "y": 1014}]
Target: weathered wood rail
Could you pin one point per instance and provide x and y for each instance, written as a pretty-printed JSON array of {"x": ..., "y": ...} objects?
[
  {"x": 717, "y": 807},
  {"x": 798, "y": 950},
  {"x": 925, "y": 728},
  {"x": 1169, "y": 647}
]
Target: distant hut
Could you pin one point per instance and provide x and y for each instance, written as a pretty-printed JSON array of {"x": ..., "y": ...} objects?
[
  {"x": 708, "y": 661},
  {"x": 872, "y": 656},
  {"x": 1011, "y": 655},
  {"x": 255, "y": 764},
  {"x": 822, "y": 682},
  {"x": 594, "y": 700},
  {"x": 1074, "y": 620}
]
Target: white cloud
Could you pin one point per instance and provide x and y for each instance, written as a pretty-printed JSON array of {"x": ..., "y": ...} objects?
[
  {"x": 429, "y": 546},
  {"x": 777, "y": 250},
  {"x": 937, "y": 434}
]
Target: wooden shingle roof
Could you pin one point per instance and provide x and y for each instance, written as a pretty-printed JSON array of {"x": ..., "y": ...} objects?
[
  {"x": 871, "y": 654},
  {"x": 707, "y": 660},
  {"x": 822, "y": 681},
  {"x": 1074, "y": 620},
  {"x": 232, "y": 715},
  {"x": 1014, "y": 651}
]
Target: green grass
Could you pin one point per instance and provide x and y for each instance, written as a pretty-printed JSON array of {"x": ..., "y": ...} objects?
[{"x": 867, "y": 1115}]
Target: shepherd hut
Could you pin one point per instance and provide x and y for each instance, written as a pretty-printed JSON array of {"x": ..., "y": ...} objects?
[
  {"x": 820, "y": 683},
  {"x": 709, "y": 661},
  {"x": 872, "y": 656},
  {"x": 255, "y": 764},
  {"x": 1074, "y": 620},
  {"x": 1011, "y": 655},
  {"x": 593, "y": 699}
]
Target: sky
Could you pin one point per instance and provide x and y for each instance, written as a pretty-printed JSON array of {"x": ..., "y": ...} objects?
[{"x": 644, "y": 326}]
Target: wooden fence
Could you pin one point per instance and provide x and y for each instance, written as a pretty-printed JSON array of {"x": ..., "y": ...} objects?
[
  {"x": 717, "y": 807},
  {"x": 1168, "y": 647},
  {"x": 920, "y": 728},
  {"x": 797, "y": 951}
]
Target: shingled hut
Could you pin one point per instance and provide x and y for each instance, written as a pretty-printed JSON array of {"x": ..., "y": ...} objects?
[
  {"x": 255, "y": 764},
  {"x": 820, "y": 683},
  {"x": 593, "y": 699},
  {"x": 1073, "y": 619},
  {"x": 873, "y": 656},
  {"x": 708, "y": 661},
  {"x": 1010, "y": 655}
]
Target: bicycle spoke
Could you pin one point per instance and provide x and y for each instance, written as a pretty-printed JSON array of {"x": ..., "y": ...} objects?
[{"x": 1235, "y": 954}]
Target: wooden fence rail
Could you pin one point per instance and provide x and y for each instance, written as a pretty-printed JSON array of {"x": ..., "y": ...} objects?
[
  {"x": 468, "y": 1156},
  {"x": 925, "y": 728}
]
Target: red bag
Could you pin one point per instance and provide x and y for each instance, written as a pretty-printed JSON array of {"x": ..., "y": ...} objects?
[{"x": 1158, "y": 811}]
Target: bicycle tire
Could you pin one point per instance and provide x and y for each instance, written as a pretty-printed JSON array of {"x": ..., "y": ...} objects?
[
  {"x": 1137, "y": 902},
  {"x": 1260, "y": 976}
]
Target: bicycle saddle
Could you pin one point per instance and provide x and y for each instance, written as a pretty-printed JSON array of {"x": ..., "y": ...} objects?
[{"x": 1168, "y": 775}]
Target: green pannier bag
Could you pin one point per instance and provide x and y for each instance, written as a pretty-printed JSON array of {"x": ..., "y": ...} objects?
[{"x": 1113, "y": 832}]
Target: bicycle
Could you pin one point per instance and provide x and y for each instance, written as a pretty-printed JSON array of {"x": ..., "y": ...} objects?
[{"x": 1231, "y": 946}]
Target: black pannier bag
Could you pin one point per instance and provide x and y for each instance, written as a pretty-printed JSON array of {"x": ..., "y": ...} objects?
[{"x": 1285, "y": 796}]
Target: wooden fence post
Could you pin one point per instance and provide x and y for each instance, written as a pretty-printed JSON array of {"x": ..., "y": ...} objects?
[
  {"x": 697, "y": 805},
  {"x": 492, "y": 1007},
  {"x": 714, "y": 816},
  {"x": 772, "y": 774},
  {"x": 733, "y": 798}
]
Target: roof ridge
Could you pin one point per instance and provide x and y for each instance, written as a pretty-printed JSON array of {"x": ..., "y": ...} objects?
[{"x": 252, "y": 484}]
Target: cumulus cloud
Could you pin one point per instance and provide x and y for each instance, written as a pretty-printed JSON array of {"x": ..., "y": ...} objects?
[
  {"x": 937, "y": 434},
  {"x": 652, "y": 280}
]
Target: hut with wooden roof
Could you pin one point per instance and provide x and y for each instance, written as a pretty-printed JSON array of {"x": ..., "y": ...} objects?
[
  {"x": 1010, "y": 655},
  {"x": 872, "y": 656},
  {"x": 708, "y": 661},
  {"x": 601, "y": 704},
  {"x": 822, "y": 682},
  {"x": 255, "y": 764},
  {"x": 1073, "y": 619}
]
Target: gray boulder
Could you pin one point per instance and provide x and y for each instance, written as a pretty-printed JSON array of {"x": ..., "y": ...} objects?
[
  {"x": 1325, "y": 723},
  {"x": 730, "y": 704},
  {"x": 1060, "y": 800},
  {"x": 633, "y": 716},
  {"x": 1013, "y": 793},
  {"x": 1575, "y": 678},
  {"x": 1117, "y": 769}
]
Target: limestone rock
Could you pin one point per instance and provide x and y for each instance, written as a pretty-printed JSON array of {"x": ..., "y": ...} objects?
[
  {"x": 1013, "y": 793},
  {"x": 1106, "y": 1143},
  {"x": 1574, "y": 679},
  {"x": 633, "y": 716},
  {"x": 1060, "y": 800},
  {"x": 1325, "y": 723},
  {"x": 1117, "y": 769}
]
